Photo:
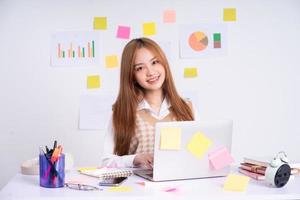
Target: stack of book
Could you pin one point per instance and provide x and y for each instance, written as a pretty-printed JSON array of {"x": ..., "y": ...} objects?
[
  {"x": 256, "y": 167},
  {"x": 252, "y": 170}
]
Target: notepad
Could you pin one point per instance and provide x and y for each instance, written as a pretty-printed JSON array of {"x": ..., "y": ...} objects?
[{"x": 106, "y": 172}]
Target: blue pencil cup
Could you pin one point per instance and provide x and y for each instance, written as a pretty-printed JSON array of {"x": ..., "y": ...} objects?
[{"x": 52, "y": 175}]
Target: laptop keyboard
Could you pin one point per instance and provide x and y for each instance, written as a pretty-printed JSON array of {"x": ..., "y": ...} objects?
[{"x": 148, "y": 172}]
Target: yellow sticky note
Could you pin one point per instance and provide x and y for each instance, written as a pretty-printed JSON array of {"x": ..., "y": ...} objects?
[
  {"x": 236, "y": 183},
  {"x": 100, "y": 23},
  {"x": 198, "y": 144},
  {"x": 170, "y": 138},
  {"x": 190, "y": 72},
  {"x": 81, "y": 169},
  {"x": 93, "y": 82},
  {"x": 149, "y": 28},
  {"x": 120, "y": 189},
  {"x": 229, "y": 14},
  {"x": 111, "y": 61}
]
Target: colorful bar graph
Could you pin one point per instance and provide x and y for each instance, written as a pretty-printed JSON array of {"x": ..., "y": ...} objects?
[
  {"x": 83, "y": 51},
  {"x": 71, "y": 48}
]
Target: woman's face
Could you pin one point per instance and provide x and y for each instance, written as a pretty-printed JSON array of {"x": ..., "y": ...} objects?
[{"x": 148, "y": 71}]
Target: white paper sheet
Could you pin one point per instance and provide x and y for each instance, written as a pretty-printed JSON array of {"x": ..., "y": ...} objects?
[{"x": 95, "y": 111}]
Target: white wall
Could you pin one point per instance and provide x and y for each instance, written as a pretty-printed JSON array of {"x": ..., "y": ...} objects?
[{"x": 256, "y": 83}]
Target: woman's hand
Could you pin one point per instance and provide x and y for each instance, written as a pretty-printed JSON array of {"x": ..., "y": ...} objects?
[{"x": 144, "y": 160}]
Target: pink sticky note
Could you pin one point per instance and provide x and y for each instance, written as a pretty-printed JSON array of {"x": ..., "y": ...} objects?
[
  {"x": 169, "y": 16},
  {"x": 123, "y": 32},
  {"x": 220, "y": 158}
]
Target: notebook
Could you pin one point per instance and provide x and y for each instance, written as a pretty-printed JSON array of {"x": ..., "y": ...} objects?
[
  {"x": 179, "y": 156},
  {"x": 105, "y": 173}
]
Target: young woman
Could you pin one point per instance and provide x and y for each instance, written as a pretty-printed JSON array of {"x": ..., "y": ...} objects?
[{"x": 147, "y": 95}]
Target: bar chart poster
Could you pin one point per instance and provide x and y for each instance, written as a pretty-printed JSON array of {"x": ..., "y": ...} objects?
[
  {"x": 75, "y": 48},
  {"x": 200, "y": 40}
]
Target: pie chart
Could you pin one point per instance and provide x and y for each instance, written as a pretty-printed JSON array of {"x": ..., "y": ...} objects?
[{"x": 198, "y": 41}]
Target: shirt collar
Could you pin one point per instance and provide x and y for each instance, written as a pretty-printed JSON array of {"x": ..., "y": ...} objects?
[{"x": 145, "y": 105}]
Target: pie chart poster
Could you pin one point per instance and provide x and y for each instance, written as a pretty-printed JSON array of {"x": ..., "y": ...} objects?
[{"x": 201, "y": 40}]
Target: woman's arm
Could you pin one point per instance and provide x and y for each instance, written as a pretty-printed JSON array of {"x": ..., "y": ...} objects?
[{"x": 109, "y": 159}]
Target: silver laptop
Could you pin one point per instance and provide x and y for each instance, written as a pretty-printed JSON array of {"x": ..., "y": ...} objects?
[{"x": 180, "y": 163}]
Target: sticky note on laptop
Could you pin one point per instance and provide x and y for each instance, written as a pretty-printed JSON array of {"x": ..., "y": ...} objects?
[
  {"x": 198, "y": 144},
  {"x": 220, "y": 158},
  {"x": 170, "y": 138},
  {"x": 238, "y": 183}
]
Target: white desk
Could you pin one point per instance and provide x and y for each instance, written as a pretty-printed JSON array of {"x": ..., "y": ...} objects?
[{"x": 27, "y": 187}]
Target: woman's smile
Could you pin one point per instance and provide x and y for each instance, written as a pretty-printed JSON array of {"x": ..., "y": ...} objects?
[{"x": 153, "y": 79}]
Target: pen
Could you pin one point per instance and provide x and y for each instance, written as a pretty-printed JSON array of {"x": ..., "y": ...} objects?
[
  {"x": 47, "y": 150},
  {"x": 55, "y": 144},
  {"x": 56, "y": 153}
]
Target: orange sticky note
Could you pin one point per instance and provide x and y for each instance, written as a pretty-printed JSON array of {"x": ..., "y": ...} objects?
[
  {"x": 100, "y": 23},
  {"x": 149, "y": 28},
  {"x": 93, "y": 82},
  {"x": 170, "y": 138},
  {"x": 229, "y": 14},
  {"x": 169, "y": 16},
  {"x": 198, "y": 144},
  {"x": 191, "y": 72},
  {"x": 238, "y": 183},
  {"x": 111, "y": 61}
]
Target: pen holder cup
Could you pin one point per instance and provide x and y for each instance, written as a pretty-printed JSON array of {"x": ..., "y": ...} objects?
[{"x": 52, "y": 175}]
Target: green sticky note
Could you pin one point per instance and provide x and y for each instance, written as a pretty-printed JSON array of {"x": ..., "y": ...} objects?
[
  {"x": 170, "y": 138},
  {"x": 217, "y": 36},
  {"x": 100, "y": 23},
  {"x": 111, "y": 61},
  {"x": 149, "y": 28},
  {"x": 190, "y": 72},
  {"x": 198, "y": 144},
  {"x": 238, "y": 183},
  {"x": 93, "y": 82},
  {"x": 229, "y": 14}
]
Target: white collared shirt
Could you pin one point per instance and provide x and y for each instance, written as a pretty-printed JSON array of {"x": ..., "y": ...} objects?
[
  {"x": 163, "y": 112},
  {"x": 112, "y": 160}
]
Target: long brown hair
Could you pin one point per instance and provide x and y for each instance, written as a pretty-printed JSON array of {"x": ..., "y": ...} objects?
[{"x": 130, "y": 94}]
